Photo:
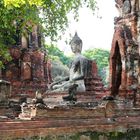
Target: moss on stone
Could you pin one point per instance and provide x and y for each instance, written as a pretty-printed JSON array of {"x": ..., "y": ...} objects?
[{"x": 131, "y": 134}]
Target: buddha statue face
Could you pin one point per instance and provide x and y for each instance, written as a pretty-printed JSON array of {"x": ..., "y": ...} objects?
[{"x": 76, "y": 44}]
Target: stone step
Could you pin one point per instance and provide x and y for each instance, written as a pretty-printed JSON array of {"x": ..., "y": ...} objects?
[
  {"x": 64, "y": 122},
  {"x": 56, "y": 98},
  {"x": 60, "y": 126},
  {"x": 87, "y": 93},
  {"x": 58, "y": 122},
  {"x": 71, "y": 112},
  {"x": 79, "y": 99},
  {"x": 127, "y": 112},
  {"x": 94, "y": 82},
  {"x": 94, "y": 88}
]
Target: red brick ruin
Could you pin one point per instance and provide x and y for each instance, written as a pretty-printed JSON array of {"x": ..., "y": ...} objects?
[
  {"x": 125, "y": 51},
  {"x": 29, "y": 70}
]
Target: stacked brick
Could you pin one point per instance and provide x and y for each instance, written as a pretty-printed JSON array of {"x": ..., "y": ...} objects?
[{"x": 125, "y": 51}]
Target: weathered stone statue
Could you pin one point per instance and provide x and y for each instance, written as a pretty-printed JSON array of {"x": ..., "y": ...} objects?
[
  {"x": 126, "y": 7},
  {"x": 77, "y": 70}
]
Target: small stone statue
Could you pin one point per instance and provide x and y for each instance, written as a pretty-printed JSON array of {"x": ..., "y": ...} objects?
[
  {"x": 39, "y": 98},
  {"x": 72, "y": 93},
  {"x": 77, "y": 70},
  {"x": 126, "y": 7},
  {"x": 28, "y": 111}
]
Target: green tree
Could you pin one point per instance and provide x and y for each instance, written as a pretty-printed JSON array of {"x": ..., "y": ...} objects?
[
  {"x": 51, "y": 14},
  {"x": 101, "y": 57},
  {"x": 59, "y": 62},
  {"x": 56, "y": 54}
]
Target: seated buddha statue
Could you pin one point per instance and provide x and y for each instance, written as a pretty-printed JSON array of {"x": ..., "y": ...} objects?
[{"x": 76, "y": 71}]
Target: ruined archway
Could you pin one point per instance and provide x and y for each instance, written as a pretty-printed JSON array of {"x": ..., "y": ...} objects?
[
  {"x": 116, "y": 70},
  {"x": 117, "y": 62},
  {"x": 124, "y": 78}
]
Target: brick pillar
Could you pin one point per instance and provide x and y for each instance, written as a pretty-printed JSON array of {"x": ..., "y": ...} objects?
[
  {"x": 24, "y": 42},
  {"x": 26, "y": 67},
  {"x": 37, "y": 65},
  {"x": 35, "y": 36}
]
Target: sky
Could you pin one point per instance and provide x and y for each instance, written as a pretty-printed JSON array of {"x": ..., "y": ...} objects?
[{"x": 95, "y": 32}]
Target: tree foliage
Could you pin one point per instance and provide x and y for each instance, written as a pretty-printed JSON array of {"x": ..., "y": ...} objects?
[
  {"x": 56, "y": 54},
  {"x": 51, "y": 14},
  {"x": 100, "y": 55},
  {"x": 59, "y": 61}
]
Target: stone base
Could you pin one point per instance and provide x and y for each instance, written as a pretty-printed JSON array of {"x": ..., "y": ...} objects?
[
  {"x": 28, "y": 88},
  {"x": 71, "y": 112},
  {"x": 72, "y": 118},
  {"x": 55, "y": 127},
  {"x": 88, "y": 96}
]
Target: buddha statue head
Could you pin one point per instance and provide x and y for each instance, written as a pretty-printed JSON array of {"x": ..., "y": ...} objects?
[{"x": 76, "y": 44}]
